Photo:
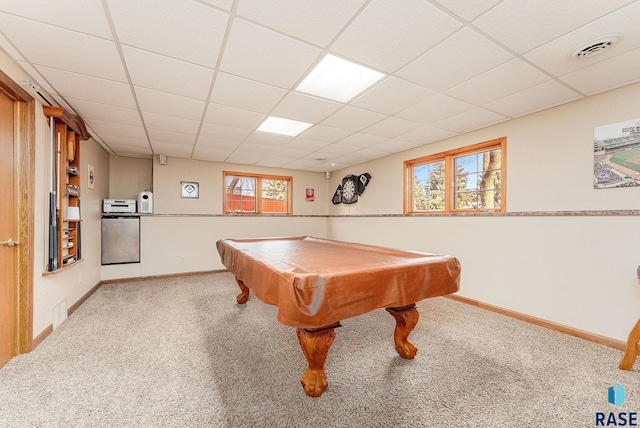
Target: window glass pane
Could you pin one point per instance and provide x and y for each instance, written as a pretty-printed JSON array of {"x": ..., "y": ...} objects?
[
  {"x": 466, "y": 201},
  {"x": 274, "y": 196},
  {"x": 241, "y": 194},
  {"x": 428, "y": 187},
  {"x": 478, "y": 172}
]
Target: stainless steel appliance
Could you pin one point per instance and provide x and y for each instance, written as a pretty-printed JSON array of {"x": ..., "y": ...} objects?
[
  {"x": 119, "y": 206},
  {"x": 120, "y": 239}
]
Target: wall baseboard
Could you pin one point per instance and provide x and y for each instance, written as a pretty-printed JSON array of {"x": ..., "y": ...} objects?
[
  {"x": 81, "y": 300},
  {"x": 42, "y": 336},
  {"x": 591, "y": 337},
  {"x": 168, "y": 275}
]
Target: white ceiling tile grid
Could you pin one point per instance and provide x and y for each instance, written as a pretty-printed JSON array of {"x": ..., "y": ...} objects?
[{"x": 196, "y": 78}]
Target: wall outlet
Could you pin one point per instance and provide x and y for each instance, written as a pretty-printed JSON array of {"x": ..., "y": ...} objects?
[{"x": 181, "y": 259}]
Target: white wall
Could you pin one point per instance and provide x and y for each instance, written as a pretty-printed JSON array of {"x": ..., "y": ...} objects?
[
  {"x": 185, "y": 243},
  {"x": 578, "y": 271},
  {"x": 167, "y": 178},
  {"x": 181, "y": 235}
]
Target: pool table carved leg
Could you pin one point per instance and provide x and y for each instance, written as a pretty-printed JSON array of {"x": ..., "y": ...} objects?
[
  {"x": 244, "y": 295},
  {"x": 406, "y": 319},
  {"x": 315, "y": 345},
  {"x": 633, "y": 348}
]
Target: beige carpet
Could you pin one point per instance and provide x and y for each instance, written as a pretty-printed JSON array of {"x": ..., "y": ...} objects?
[{"x": 181, "y": 353}]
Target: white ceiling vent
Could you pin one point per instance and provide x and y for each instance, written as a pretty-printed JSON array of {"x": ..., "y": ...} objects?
[{"x": 595, "y": 46}]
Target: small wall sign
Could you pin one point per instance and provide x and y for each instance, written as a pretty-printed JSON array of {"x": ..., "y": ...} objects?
[{"x": 310, "y": 195}]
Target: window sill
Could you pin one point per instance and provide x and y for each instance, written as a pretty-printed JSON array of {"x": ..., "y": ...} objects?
[{"x": 47, "y": 273}]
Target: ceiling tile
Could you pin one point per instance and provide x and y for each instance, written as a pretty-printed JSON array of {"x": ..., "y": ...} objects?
[
  {"x": 392, "y": 95},
  {"x": 301, "y": 164},
  {"x": 522, "y": 25},
  {"x": 171, "y": 149},
  {"x": 244, "y": 158},
  {"x": 223, "y": 132},
  {"x": 300, "y": 18},
  {"x": 267, "y": 139},
  {"x": 170, "y": 123},
  {"x": 497, "y": 83},
  {"x": 282, "y": 60},
  {"x": 468, "y": 10},
  {"x": 425, "y": 134},
  {"x": 470, "y": 120},
  {"x": 166, "y": 74},
  {"x": 325, "y": 133},
  {"x": 246, "y": 94},
  {"x": 361, "y": 139},
  {"x": 305, "y": 108},
  {"x": 169, "y": 104},
  {"x": 117, "y": 129},
  {"x": 222, "y": 4},
  {"x": 163, "y": 136},
  {"x": 542, "y": 96},
  {"x": 57, "y": 13},
  {"x": 216, "y": 143},
  {"x": 274, "y": 161},
  {"x": 130, "y": 151},
  {"x": 121, "y": 141},
  {"x": 393, "y": 146},
  {"x": 307, "y": 144},
  {"x": 379, "y": 35},
  {"x": 462, "y": 56},
  {"x": 28, "y": 36},
  {"x": 434, "y": 109},
  {"x": 620, "y": 70},
  {"x": 336, "y": 149},
  {"x": 392, "y": 127},
  {"x": 554, "y": 56},
  {"x": 106, "y": 113},
  {"x": 211, "y": 154},
  {"x": 201, "y": 27},
  {"x": 233, "y": 117},
  {"x": 353, "y": 118},
  {"x": 81, "y": 87}
]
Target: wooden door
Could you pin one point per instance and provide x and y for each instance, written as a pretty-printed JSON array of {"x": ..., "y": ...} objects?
[{"x": 8, "y": 229}]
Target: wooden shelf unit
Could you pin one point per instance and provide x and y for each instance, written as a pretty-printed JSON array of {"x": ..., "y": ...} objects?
[{"x": 69, "y": 130}]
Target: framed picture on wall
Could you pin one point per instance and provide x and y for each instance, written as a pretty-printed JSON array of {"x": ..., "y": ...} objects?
[
  {"x": 189, "y": 189},
  {"x": 616, "y": 155},
  {"x": 90, "y": 176}
]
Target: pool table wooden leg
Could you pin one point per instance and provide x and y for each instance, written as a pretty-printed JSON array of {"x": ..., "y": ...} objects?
[
  {"x": 315, "y": 345},
  {"x": 244, "y": 296},
  {"x": 406, "y": 319},
  {"x": 633, "y": 348}
]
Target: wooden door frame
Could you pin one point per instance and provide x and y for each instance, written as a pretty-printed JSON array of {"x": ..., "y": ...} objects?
[{"x": 24, "y": 192}]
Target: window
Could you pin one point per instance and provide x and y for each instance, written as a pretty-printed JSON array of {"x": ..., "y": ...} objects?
[
  {"x": 257, "y": 194},
  {"x": 467, "y": 179}
]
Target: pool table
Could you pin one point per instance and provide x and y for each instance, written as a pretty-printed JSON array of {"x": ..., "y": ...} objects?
[{"x": 315, "y": 283}]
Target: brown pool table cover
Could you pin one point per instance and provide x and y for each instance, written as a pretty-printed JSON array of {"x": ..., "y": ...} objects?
[{"x": 316, "y": 282}]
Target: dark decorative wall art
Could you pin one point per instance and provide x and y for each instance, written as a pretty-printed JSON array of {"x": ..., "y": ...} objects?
[{"x": 352, "y": 186}]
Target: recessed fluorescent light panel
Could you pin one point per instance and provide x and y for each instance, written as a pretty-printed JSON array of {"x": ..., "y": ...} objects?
[
  {"x": 281, "y": 126},
  {"x": 338, "y": 79}
]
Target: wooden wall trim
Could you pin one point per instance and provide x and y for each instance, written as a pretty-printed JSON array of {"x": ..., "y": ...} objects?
[
  {"x": 168, "y": 275},
  {"x": 82, "y": 299},
  {"x": 42, "y": 336},
  {"x": 591, "y": 337}
]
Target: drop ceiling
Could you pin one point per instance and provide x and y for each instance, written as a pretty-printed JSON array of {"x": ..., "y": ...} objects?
[{"x": 195, "y": 79}]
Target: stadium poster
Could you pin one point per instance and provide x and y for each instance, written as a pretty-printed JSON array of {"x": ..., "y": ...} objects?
[{"x": 616, "y": 150}]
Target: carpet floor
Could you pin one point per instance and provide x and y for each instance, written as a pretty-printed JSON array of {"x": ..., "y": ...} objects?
[{"x": 179, "y": 352}]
